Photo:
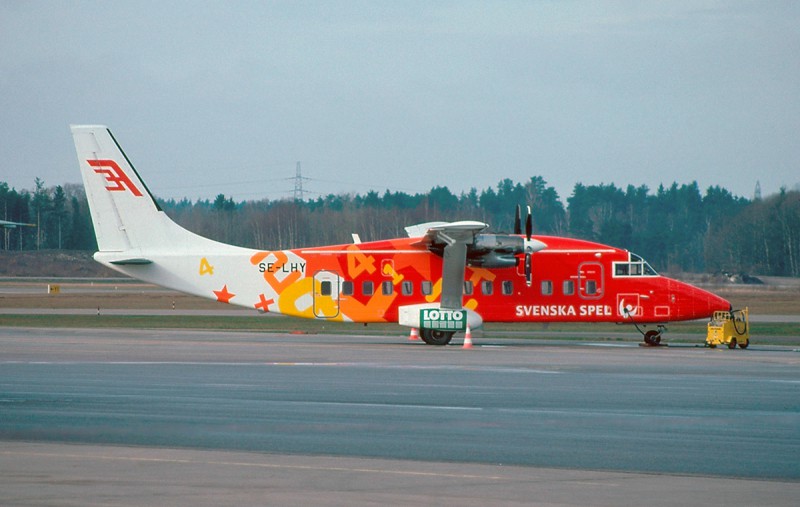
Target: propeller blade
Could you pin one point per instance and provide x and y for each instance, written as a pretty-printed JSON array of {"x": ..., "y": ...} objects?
[
  {"x": 528, "y": 269},
  {"x": 528, "y": 248},
  {"x": 518, "y": 221},
  {"x": 529, "y": 224}
]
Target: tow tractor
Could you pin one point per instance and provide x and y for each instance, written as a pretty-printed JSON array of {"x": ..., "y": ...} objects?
[{"x": 729, "y": 328}]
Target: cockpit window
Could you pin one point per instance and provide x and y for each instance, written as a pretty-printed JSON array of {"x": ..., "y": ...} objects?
[{"x": 635, "y": 267}]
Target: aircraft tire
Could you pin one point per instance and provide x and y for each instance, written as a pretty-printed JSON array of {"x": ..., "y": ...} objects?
[
  {"x": 436, "y": 336},
  {"x": 652, "y": 337}
]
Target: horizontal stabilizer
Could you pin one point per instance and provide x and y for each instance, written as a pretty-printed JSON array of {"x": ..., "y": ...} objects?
[{"x": 135, "y": 262}]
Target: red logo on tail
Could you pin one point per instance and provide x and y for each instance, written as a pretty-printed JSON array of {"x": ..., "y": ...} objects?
[{"x": 115, "y": 176}]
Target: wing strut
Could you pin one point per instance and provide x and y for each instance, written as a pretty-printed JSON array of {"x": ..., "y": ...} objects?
[
  {"x": 455, "y": 260},
  {"x": 456, "y": 236}
]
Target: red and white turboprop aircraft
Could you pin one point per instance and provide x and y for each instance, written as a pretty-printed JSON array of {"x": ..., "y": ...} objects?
[{"x": 441, "y": 279}]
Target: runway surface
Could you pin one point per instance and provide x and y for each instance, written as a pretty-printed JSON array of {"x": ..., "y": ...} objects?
[{"x": 532, "y": 413}]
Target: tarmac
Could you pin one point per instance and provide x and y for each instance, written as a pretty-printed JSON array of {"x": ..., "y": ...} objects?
[{"x": 174, "y": 417}]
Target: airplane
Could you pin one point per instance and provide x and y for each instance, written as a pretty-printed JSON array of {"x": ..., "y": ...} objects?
[
  {"x": 445, "y": 277},
  {"x": 13, "y": 225},
  {"x": 7, "y": 226}
]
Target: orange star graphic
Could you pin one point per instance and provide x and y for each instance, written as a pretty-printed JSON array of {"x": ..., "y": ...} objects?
[{"x": 223, "y": 296}]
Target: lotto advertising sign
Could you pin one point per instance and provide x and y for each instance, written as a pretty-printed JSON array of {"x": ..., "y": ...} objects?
[{"x": 446, "y": 320}]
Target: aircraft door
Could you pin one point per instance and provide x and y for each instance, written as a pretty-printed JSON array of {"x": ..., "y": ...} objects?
[
  {"x": 326, "y": 294},
  {"x": 590, "y": 280}
]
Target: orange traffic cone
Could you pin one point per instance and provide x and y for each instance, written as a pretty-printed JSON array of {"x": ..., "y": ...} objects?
[
  {"x": 468, "y": 338},
  {"x": 414, "y": 336}
]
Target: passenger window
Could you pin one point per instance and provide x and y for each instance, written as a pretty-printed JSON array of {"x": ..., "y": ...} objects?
[
  {"x": 468, "y": 288},
  {"x": 387, "y": 289},
  {"x": 325, "y": 288},
  {"x": 591, "y": 287},
  {"x": 547, "y": 288},
  {"x": 407, "y": 288},
  {"x": 487, "y": 287},
  {"x": 569, "y": 287},
  {"x": 367, "y": 288},
  {"x": 427, "y": 288},
  {"x": 507, "y": 287},
  {"x": 347, "y": 288}
]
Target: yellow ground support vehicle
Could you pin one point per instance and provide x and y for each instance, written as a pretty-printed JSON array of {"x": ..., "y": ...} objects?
[{"x": 729, "y": 328}]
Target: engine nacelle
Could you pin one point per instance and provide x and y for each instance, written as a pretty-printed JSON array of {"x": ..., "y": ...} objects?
[
  {"x": 501, "y": 243},
  {"x": 491, "y": 259},
  {"x": 495, "y": 250}
]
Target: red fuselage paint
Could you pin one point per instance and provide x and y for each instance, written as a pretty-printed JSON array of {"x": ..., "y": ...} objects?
[{"x": 573, "y": 281}]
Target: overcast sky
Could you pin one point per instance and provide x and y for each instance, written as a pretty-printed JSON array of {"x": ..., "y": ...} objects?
[{"x": 227, "y": 97}]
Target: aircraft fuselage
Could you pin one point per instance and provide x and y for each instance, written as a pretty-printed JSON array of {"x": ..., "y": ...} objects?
[{"x": 573, "y": 281}]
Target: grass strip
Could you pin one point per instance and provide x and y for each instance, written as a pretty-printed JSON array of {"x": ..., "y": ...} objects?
[{"x": 763, "y": 333}]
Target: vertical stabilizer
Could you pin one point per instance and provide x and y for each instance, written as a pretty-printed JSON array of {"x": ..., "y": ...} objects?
[
  {"x": 125, "y": 215},
  {"x": 120, "y": 204}
]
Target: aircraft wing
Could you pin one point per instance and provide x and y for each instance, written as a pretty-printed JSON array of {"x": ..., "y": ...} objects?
[
  {"x": 419, "y": 230},
  {"x": 452, "y": 238}
]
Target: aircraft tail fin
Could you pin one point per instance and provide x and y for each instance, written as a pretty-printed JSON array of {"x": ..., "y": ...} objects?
[{"x": 125, "y": 215}]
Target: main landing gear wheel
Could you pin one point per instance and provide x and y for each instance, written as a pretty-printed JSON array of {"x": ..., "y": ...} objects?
[
  {"x": 652, "y": 337},
  {"x": 436, "y": 336}
]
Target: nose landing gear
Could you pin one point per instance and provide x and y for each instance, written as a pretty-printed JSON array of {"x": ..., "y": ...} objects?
[{"x": 652, "y": 337}]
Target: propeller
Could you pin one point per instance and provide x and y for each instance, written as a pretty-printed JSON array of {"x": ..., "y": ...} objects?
[
  {"x": 529, "y": 224},
  {"x": 528, "y": 269},
  {"x": 528, "y": 247}
]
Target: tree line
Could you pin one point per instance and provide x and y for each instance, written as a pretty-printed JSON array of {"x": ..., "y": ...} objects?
[{"x": 676, "y": 228}]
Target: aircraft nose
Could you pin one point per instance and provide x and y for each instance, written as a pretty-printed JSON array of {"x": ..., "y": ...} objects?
[
  {"x": 697, "y": 303},
  {"x": 708, "y": 303},
  {"x": 717, "y": 303}
]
